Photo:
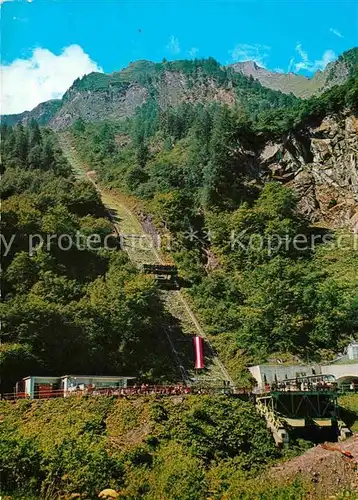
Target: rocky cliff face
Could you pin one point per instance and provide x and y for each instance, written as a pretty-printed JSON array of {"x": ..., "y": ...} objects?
[
  {"x": 92, "y": 105},
  {"x": 321, "y": 164},
  {"x": 42, "y": 114},
  {"x": 114, "y": 104}
]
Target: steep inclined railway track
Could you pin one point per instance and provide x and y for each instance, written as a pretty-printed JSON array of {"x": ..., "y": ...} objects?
[{"x": 141, "y": 249}]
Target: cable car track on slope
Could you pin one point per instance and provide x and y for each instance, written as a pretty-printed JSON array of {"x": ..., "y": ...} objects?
[{"x": 174, "y": 300}]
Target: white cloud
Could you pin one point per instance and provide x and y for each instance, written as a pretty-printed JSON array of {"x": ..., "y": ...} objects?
[
  {"x": 173, "y": 45},
  {"x": 193, "y": 51},
  {"x": 245, "y": 52},
  {"x": 2, "y": 1},
  {"x": 44, "y": 76},
  {"x": 291, "y": 65},
  {"x": 302, "y": 53},
  {"x": 336, "y": 32},
  {"x": 306, "y": 64}
]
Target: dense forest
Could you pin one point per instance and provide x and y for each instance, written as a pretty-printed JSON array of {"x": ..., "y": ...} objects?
[
  {"x": 190, "y": 168},
  {"x": 147, "y": 448},
  {"x": 70, "y": 308}
]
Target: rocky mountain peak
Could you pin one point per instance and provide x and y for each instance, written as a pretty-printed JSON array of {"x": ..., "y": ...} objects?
[
  {"x": 335, "y": 73},
  {"x": 246, "y": 67}
]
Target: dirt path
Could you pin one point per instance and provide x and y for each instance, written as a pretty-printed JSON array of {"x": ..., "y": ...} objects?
[{"x": 141, "y": 248}]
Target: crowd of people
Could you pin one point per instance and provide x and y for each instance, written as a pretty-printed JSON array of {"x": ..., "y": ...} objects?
[
  {"x": 143, "y": 389},
  {"x": 303, "y": 385},
  {"x": 147, "y": 390},
  {"x": 308, "y": 384}
]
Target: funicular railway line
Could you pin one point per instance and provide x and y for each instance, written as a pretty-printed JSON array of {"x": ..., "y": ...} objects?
[{"x": 142, "y": 249}]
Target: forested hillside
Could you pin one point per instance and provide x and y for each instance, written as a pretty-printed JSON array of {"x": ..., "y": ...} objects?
[
  {"x": 195, "y": 170},
  {"x": 68, "y": 304}
]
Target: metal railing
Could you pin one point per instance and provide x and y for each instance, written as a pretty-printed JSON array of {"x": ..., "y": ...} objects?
[
  {"x": 171, "y": 390},
  {"x": 341, "y": 389},
  {"x": 142, "y": 390}
]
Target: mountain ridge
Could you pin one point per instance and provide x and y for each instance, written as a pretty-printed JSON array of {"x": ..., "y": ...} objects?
[
  {"x": 99, "y": 96},
  {"x": 335, "y": 73}
]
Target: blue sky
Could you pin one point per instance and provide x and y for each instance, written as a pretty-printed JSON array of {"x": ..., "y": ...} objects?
[{"x": 301, "y": 36}]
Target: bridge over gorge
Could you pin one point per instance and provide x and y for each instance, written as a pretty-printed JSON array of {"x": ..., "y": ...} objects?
[{"x": 303, "y": 400}]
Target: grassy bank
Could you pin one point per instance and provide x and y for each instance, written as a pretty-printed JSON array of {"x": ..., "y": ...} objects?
[
  {"x": 349, "y": 405},
  {"x": 185, "y": 447},
  {"x": 178, "y": 448}
]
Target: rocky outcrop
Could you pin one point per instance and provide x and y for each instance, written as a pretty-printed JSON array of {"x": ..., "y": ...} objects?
[
  {"x": 115, "y": 104},
  {"x": 175, "y": 88},
  {"x": 112, "y": 104},
  {"x": 43, "y": 113},
  {"x": 321, "y": 164}
]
